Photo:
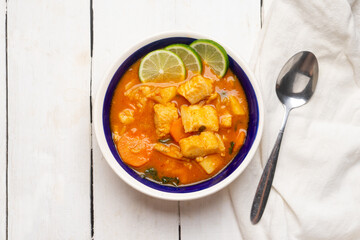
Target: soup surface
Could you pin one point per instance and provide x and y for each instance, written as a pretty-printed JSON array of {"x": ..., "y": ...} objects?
[{"x": 179, "y": 133}]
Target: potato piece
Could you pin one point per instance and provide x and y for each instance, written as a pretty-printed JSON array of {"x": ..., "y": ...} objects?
[
  {"x": 201, "y": 145},
  {"x": 196, "y": 89},
  {"x": 167, "y": 94},
  {"x": 171, "y": 150},
  {"x": 195, "y": 117},
  {"x": 212, "y": 97},
  {"x": 164, "y": 116},
  {"x": 236, "y": 108},
  {"x": 226, "y": 120},
  {"x": 126, "y": 116},
  {"x": 210, "y": 163}
]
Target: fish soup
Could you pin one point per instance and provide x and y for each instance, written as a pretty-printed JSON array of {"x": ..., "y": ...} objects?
[{"x": 179, "y": 132}]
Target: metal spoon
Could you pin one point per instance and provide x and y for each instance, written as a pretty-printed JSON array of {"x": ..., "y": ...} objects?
[{"x": 294, "y": 87}]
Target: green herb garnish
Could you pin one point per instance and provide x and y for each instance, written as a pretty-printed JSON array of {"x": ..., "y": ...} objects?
[
  {"x": 170, "y": 180},
  {"x": 231, "y": 148},
  {"x": 202, "y": 128},
  {"x": 152, "y": 173}
]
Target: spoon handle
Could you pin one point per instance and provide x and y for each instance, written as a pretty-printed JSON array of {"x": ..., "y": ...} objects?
[{"x": 263, "y": 189}]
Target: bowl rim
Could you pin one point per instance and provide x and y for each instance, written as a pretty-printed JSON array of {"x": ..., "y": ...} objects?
[{"x": 100, "y": 135}]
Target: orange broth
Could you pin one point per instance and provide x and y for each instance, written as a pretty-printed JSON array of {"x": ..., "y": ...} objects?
[{"x": 187, "y": 171}]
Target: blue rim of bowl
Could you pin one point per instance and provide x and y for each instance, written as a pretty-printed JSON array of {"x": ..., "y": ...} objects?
[{"x": 223, "y": 174}]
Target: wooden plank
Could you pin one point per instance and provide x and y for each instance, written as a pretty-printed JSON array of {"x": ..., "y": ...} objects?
[
  {"x": 49, "y": 119},
  {"x": 3, "y": 120},
  {"x": 122, "y": 212},
  {"x": 119, "y": 210},
  {"x": 212, "y": 217},
  {"x": 236, "y": 26}
]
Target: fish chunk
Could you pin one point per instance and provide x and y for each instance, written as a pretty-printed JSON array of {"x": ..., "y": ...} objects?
[
  {"x": 201, "y": 145},
  {"x": 164, "y": 95},
  {"x": 164, "y": 116},
  {"x": 196, "y": 89},
  {"x": 171, "y": 150},
  {"x": 197, "y": 117},
  {"x": 139, "y": 95},
  {"x": 143, "y": 93},
  {"x": 126, "y": 116}
]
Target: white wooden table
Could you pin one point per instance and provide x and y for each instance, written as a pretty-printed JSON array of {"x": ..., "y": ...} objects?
[{"x": 54, "y": 182}]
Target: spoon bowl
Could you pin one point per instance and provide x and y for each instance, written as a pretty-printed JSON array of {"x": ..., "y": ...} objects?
[
  {"x": 297, "y": 80},
  {"x": 294, "y": 87}
]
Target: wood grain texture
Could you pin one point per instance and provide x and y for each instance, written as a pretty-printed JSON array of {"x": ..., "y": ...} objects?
[
  {"x": 121, "y": 212},
  {"x": 236, "y": 26},
  {"x": 2, "y": 121},
  {"x": 49, "y": 119},
  {"x": 213, "y": 217}
]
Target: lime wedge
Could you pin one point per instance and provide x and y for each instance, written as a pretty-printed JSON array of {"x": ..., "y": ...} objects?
[
  {"x": 162, "y": 66},
  {"x": 213, "y": 54},
  {"x": 188, "y": 55}
]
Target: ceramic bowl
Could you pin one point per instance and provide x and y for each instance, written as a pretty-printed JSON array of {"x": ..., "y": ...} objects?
[{"x": 197, "y": 190}]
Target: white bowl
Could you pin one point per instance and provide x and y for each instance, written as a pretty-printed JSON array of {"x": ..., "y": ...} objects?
[{"x": 197, "y": 190}]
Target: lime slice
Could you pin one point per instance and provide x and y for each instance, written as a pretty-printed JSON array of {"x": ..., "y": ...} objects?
[
  {"x": 188, "y": 55},
  {"x": 213, "y": 54},
  {"x": 162, "y": 66}
]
